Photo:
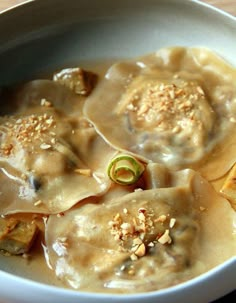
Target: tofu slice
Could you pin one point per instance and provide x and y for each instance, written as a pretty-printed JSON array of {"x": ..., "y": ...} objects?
[
  {"x": 78, "y": 80},
  {"x": 16, "y": 235}
]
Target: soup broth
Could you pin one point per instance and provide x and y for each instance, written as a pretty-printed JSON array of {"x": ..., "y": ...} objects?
[{"x": 121, "y": 172}]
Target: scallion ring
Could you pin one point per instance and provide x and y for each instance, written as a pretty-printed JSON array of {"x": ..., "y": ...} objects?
[{"x": 125, "y": 169}]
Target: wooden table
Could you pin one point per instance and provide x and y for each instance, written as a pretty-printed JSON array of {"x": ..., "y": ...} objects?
[{"x": 227, "y": 5}]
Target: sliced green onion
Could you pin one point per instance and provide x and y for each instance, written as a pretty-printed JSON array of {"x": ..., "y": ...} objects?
[{"x": 125, "y": 169}]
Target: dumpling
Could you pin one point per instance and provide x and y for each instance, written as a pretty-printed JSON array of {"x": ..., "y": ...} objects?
[
  {"x": 50, "y": 159},
  {"x": 175, "y": 107},
  {"x": 141, "y": 241}
]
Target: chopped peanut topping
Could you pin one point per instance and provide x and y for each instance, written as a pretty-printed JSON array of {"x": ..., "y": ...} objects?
[
  {"x": 133, "y": 257},
  {"x": 172, "y": 222},
  {"x": 131, "y": 232},
  {"x": 45, "y": 146},
  {"x": 84, "y": 172},
  {"x": 46, "y": 103},
  {"x": 165, "y": 238},
  {"x": 141, "y": 250},
  {"x": 37, "y": 203},
  {"x": 168, "y": 106},
  {"x": 25, "y": 130},
  {"x": 6, "y": 149},
  {"x": 161, "y": 218},
  {"x": 125, "y": 211}
]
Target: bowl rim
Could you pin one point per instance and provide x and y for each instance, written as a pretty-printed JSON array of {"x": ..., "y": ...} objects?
[
  {"x": 197, "y": 281},
  {"x": 13, "y": 7},
  {"x": 197, "y": 2}
]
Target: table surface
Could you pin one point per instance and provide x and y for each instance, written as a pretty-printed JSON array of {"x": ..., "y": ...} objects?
[{"x": 226, "y": 5}]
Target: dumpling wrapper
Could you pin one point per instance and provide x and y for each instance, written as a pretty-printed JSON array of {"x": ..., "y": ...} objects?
[
  {"x": 228, "y": 188},
  {"x": 50, "y": 160},
  {"x": 93, "y": 247},
  {"x": 176, "y": 106}
]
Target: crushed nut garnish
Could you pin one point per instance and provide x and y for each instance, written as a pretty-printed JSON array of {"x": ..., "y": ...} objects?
[
  {"x": 6, "y": 149},
  {"x": 84, "y": 171},
  {"x": 165, "y": 104},
  {"x": 161, "y": 218},
  {"x": 45, "y": 146},
  {"x": 37, "y": 203},
  {"x": 23, "y": 130},
  {"x": 53, "y": 140},
  {"x": 125, "y": 211},
  {"x": 140, "y": 251},
  {"x": 172, "y": 222},
  {"x": 165, "y": 238},
  {"x": 133, "y": 257},
  {"x": 132, "y": 232},
  {"x": 46, "y": 103},
  {"x": 131, "y": 272}
]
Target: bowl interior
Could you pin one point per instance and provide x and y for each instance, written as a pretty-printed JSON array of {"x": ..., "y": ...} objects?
[{"x": 51, "y": 34}]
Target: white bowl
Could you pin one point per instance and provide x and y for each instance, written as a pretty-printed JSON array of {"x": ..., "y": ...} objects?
[{"x": 40, "y": 36}]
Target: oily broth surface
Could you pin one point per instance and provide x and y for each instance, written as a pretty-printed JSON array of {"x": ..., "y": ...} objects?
[{"x": 215, "y": 210}]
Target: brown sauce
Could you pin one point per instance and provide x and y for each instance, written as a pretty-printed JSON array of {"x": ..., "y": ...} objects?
[{"x": 169, "y": 226}]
